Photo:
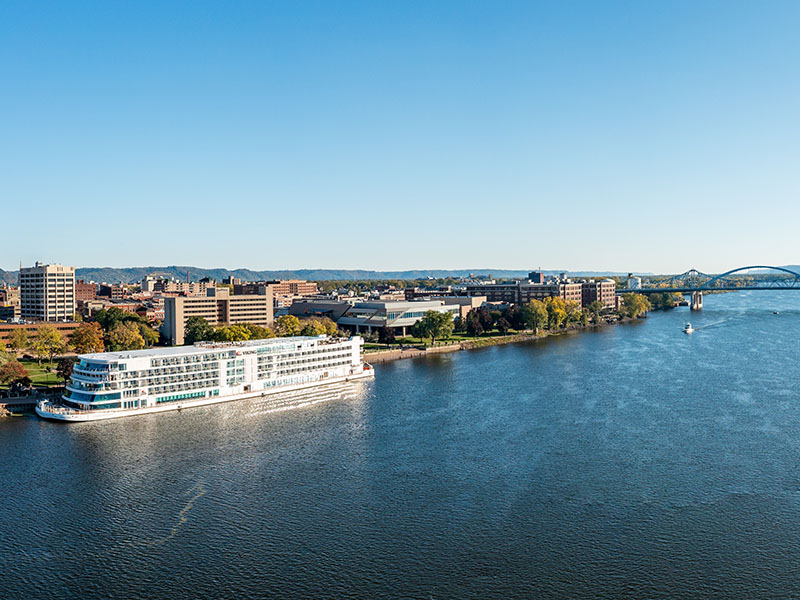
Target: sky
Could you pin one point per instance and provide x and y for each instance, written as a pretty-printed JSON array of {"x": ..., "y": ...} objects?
[{"x": 621, "y": 136}]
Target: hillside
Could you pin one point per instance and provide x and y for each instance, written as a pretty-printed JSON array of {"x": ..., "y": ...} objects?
[{"x": 135, "y": 274}]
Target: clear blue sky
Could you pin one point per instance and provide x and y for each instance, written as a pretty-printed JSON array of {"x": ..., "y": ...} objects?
[{"x": 642, "y": 136}]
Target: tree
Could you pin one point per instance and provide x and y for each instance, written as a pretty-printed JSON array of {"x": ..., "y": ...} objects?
[
  {"x": 197, "y": 330},
  {"x": 503, "y": 325},
  {"x": 287, "y": 326},
  {"x": 18, "y": 340},
  {"x": 573, "y": 311},
  {"x": 258, "y": 332},
  {"x": 231, "y": 333},
  {"x": 662, "y": 301},
  {"x": 459, "y": 324},
  {"x": 48, "y": 342},
  {"x": 149, "y": 335},
  {"x": 474, "y": 326},
  {"x": 595, "y": 308},
  {"x": 634, "y": 305},
  {"x": 487, "y": 321},
  {"x": 12, "y": 371},
  {"x": 108, "y": 319},
  {"x": 386, "y": 335},
  {"x": 556, "y": 312},
  {"x": 435, "y": 324},
  {"x": 534, "y": 315},
  {"x": 88, "y": 337},
  {"x": 125, "y": 336},
  {"x": 584, "y": 318},
  {"x": 64, "y": 368},
  {"x": 515, "y": 317}
]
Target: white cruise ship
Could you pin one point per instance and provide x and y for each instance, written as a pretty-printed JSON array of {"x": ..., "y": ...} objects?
[{"x": 107, "y": 385}]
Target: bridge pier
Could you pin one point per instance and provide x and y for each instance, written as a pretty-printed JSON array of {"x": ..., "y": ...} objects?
[{"x": 697, "y": 301}]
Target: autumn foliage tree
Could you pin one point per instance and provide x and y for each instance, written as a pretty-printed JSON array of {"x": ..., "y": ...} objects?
[
  {"x": 88, "y": 337},
  {"x": 11, "y": 371},
  {"x": 125, "y": 336},
  {"x": 47, "y": 342}
]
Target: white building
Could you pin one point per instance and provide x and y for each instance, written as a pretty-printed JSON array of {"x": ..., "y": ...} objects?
[
  {"x": 47, "y": 292},
  {"x": 401, "y": 316}
]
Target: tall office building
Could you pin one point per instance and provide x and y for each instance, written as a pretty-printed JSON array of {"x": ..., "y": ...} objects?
[
  {"x": 218, "y": 307},
  {"x": 47, "y": 292}
]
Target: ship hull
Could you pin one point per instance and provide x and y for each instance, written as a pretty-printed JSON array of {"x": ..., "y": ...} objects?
[{"x": 102, "y": 415}]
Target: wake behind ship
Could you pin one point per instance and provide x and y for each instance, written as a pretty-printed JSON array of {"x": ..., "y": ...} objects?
[{"x": 107, "y": 385}]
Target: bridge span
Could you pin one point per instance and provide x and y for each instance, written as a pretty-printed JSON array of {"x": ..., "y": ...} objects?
[{"x": 694, "y": 282}]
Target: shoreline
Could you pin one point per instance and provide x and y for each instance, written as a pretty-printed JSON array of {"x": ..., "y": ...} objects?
[{"x": 383, "y": 356}]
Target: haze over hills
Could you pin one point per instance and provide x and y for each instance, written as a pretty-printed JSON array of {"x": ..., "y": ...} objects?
[{"x": 135, "y": 274}]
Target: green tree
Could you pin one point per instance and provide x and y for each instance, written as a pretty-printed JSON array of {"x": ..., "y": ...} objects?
[
  {"x": 231, "y": 333},
  {"x": 435, "y": 325},
  {"x": 125, "y": 336},
  {"x": 258, "y": 332},
  {"x": 556, "y": 312},
  {"x": 534, "y": 315},
  {"x": 584, "y": 318},
  {"x": 65, "y": 367},
  {"x": 572, "y": 310},
  {"x": 287, "y": 326},
  {"x": 459, "y": 325},
  {"x": 149, "y": 335},
  {"x": 47, "y": 342},
  {"x": 197, "y": 330},
  {"x": 18, "y": 340},
  {"x": 634, "y": 305},
  {"x": 595, "y": 308},
  {"x": 88, "y": 337},
  {"x": 11, "y": 371}
]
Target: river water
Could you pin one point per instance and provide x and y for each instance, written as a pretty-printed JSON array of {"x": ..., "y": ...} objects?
[{"x": 634, "y": 461}]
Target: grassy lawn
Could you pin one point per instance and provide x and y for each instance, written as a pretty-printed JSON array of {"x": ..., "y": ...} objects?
[
  {"x": 40, "y": 376},
  {"x": 453, "y": 339}
]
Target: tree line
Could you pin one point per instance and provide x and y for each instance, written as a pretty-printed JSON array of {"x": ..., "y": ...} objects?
[
  {"x": 550, "y": 314},
  {"x": 199, "y": 330}
]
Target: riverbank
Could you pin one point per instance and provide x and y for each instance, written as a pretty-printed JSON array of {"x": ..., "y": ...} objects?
[{"x": 382, "y": 356}]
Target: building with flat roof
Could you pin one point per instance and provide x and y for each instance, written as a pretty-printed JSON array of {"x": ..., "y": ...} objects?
[
  {"x": 64, "y": 327},
  {"x": 603, "y": 290},
  {"x": 217, "y": 307},
  {"x": 85, "y": 291},
  {"x": 400, "y": 316},
  {"x": 370, "y": 315},
  {"x": 293, "y": 287},
  {"x": 464, "y": 303},
  {"x": 522, "y": 292},
  {"x": 47, "y": 292},
  {"x": 9, "y": 302}
]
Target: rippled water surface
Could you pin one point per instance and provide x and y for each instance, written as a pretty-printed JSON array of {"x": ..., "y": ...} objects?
[{"x": 634, "y": 461}]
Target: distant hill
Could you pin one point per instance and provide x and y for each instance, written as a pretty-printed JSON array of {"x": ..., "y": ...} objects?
[
  {"x": 135, "y": 274},
  {"x": 9, "y": 277}
]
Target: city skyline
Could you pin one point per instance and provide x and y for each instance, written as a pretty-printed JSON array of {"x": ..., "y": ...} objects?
[{"x": 604, "y": 137}]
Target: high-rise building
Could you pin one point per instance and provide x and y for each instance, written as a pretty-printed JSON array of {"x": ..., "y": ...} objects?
[
  {"x": 47, "y": 292},
  {"x": 218, "y": 307}
]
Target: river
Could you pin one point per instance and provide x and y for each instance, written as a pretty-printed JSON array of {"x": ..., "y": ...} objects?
[{"x": 632, "y": 461}]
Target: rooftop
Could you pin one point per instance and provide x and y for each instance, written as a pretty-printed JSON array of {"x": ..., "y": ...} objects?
[{"x": 199, "y": 347}]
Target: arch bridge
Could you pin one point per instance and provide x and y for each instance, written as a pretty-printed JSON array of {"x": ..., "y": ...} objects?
[{"x": 695, "y": 282}]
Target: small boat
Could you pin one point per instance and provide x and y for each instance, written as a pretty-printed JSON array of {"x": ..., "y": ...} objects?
[
  {"x": 775, "y": 312},
  {"x": 688, "y": 328}
]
